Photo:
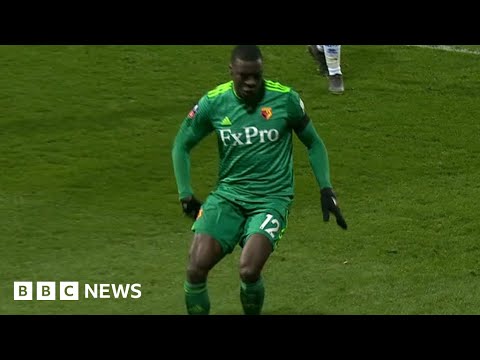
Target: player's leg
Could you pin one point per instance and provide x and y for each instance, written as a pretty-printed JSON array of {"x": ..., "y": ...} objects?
[
  {"x": 204, "y": 253},
  {"x": 252, "y": 260},
  {"x": 217, "y": 231},
  {"x": 335, "y": 76},
  {"x": 317, "y": 53},
  {"x": 262, "y": 232}
]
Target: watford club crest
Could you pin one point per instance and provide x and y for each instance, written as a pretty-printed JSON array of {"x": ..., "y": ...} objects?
[{"x": 267, "y": 113}]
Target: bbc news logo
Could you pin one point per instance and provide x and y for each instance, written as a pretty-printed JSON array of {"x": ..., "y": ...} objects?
[{"x": 71, "y": 290}]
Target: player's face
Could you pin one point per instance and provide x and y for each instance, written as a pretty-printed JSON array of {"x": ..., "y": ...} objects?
[{"x": 247, "y": 77}]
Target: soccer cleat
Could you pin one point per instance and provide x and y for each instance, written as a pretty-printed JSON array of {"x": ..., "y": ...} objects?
[
  {"x": 319, "y": 58},
  {"x": 336, "y": 84}
]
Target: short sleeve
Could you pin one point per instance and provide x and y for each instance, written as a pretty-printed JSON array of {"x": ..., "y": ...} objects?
[
  {"x": 198, "y": 119},
  {"x": 296, "y": 110}
]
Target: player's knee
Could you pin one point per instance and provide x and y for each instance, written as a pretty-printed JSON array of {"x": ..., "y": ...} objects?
[
  {"x": 204, "y": 253},
  {"x": 197, "y": 270},
  {"x": 196, "y": 274},
  {"x": 249, "y": 273}
]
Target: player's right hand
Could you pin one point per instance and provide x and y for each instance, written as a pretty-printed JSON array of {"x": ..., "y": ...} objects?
[{"x": 191, "y": 206}]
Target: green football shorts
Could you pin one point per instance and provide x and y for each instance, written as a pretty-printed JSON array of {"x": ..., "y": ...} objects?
[{"x": 232, "y": 223}]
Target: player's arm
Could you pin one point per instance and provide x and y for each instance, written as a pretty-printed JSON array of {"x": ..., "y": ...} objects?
[
  {"x": 318, "y": 157},
  {"x": 194, "y": 128},
  {"x": 306, "y": 132}
]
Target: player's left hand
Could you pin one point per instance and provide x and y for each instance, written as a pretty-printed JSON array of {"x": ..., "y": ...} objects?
[{"x": 330, "y": 205}]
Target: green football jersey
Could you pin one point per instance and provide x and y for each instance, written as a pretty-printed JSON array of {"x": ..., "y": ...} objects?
[{"x": 255, "y": 143}]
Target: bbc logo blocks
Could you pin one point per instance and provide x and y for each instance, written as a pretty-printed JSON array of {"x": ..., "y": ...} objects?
[
  {"x": 70, "y": 290},
  {"x": 45, "y": 290}
]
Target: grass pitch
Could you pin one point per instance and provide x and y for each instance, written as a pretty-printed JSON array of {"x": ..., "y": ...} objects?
[{"x": 87, "y": 191}]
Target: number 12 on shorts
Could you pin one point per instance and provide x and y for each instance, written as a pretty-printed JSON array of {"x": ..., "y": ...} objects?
[{"x": 271, "y": 230}]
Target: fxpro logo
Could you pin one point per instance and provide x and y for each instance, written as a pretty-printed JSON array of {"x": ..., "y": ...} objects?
[
  {"x": 249, "y": 133},
  {"x": 71, "y": 290}
]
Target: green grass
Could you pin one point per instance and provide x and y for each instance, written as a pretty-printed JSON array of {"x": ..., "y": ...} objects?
[{"x": 87, "y": 191}]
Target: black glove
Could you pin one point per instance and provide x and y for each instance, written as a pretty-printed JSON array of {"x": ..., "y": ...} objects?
[
  {"x": 329, "y": 205},
  {"x": 191, "y": 206}
]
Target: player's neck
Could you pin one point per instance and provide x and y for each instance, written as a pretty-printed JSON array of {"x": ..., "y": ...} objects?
[{"x": 253, "y": 101}]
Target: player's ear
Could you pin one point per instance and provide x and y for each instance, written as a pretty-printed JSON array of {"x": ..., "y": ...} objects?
[{"x": 230, "y": 69}]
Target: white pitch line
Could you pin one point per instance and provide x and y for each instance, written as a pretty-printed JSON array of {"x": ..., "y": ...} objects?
[{"x": 449, "y": 48}]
